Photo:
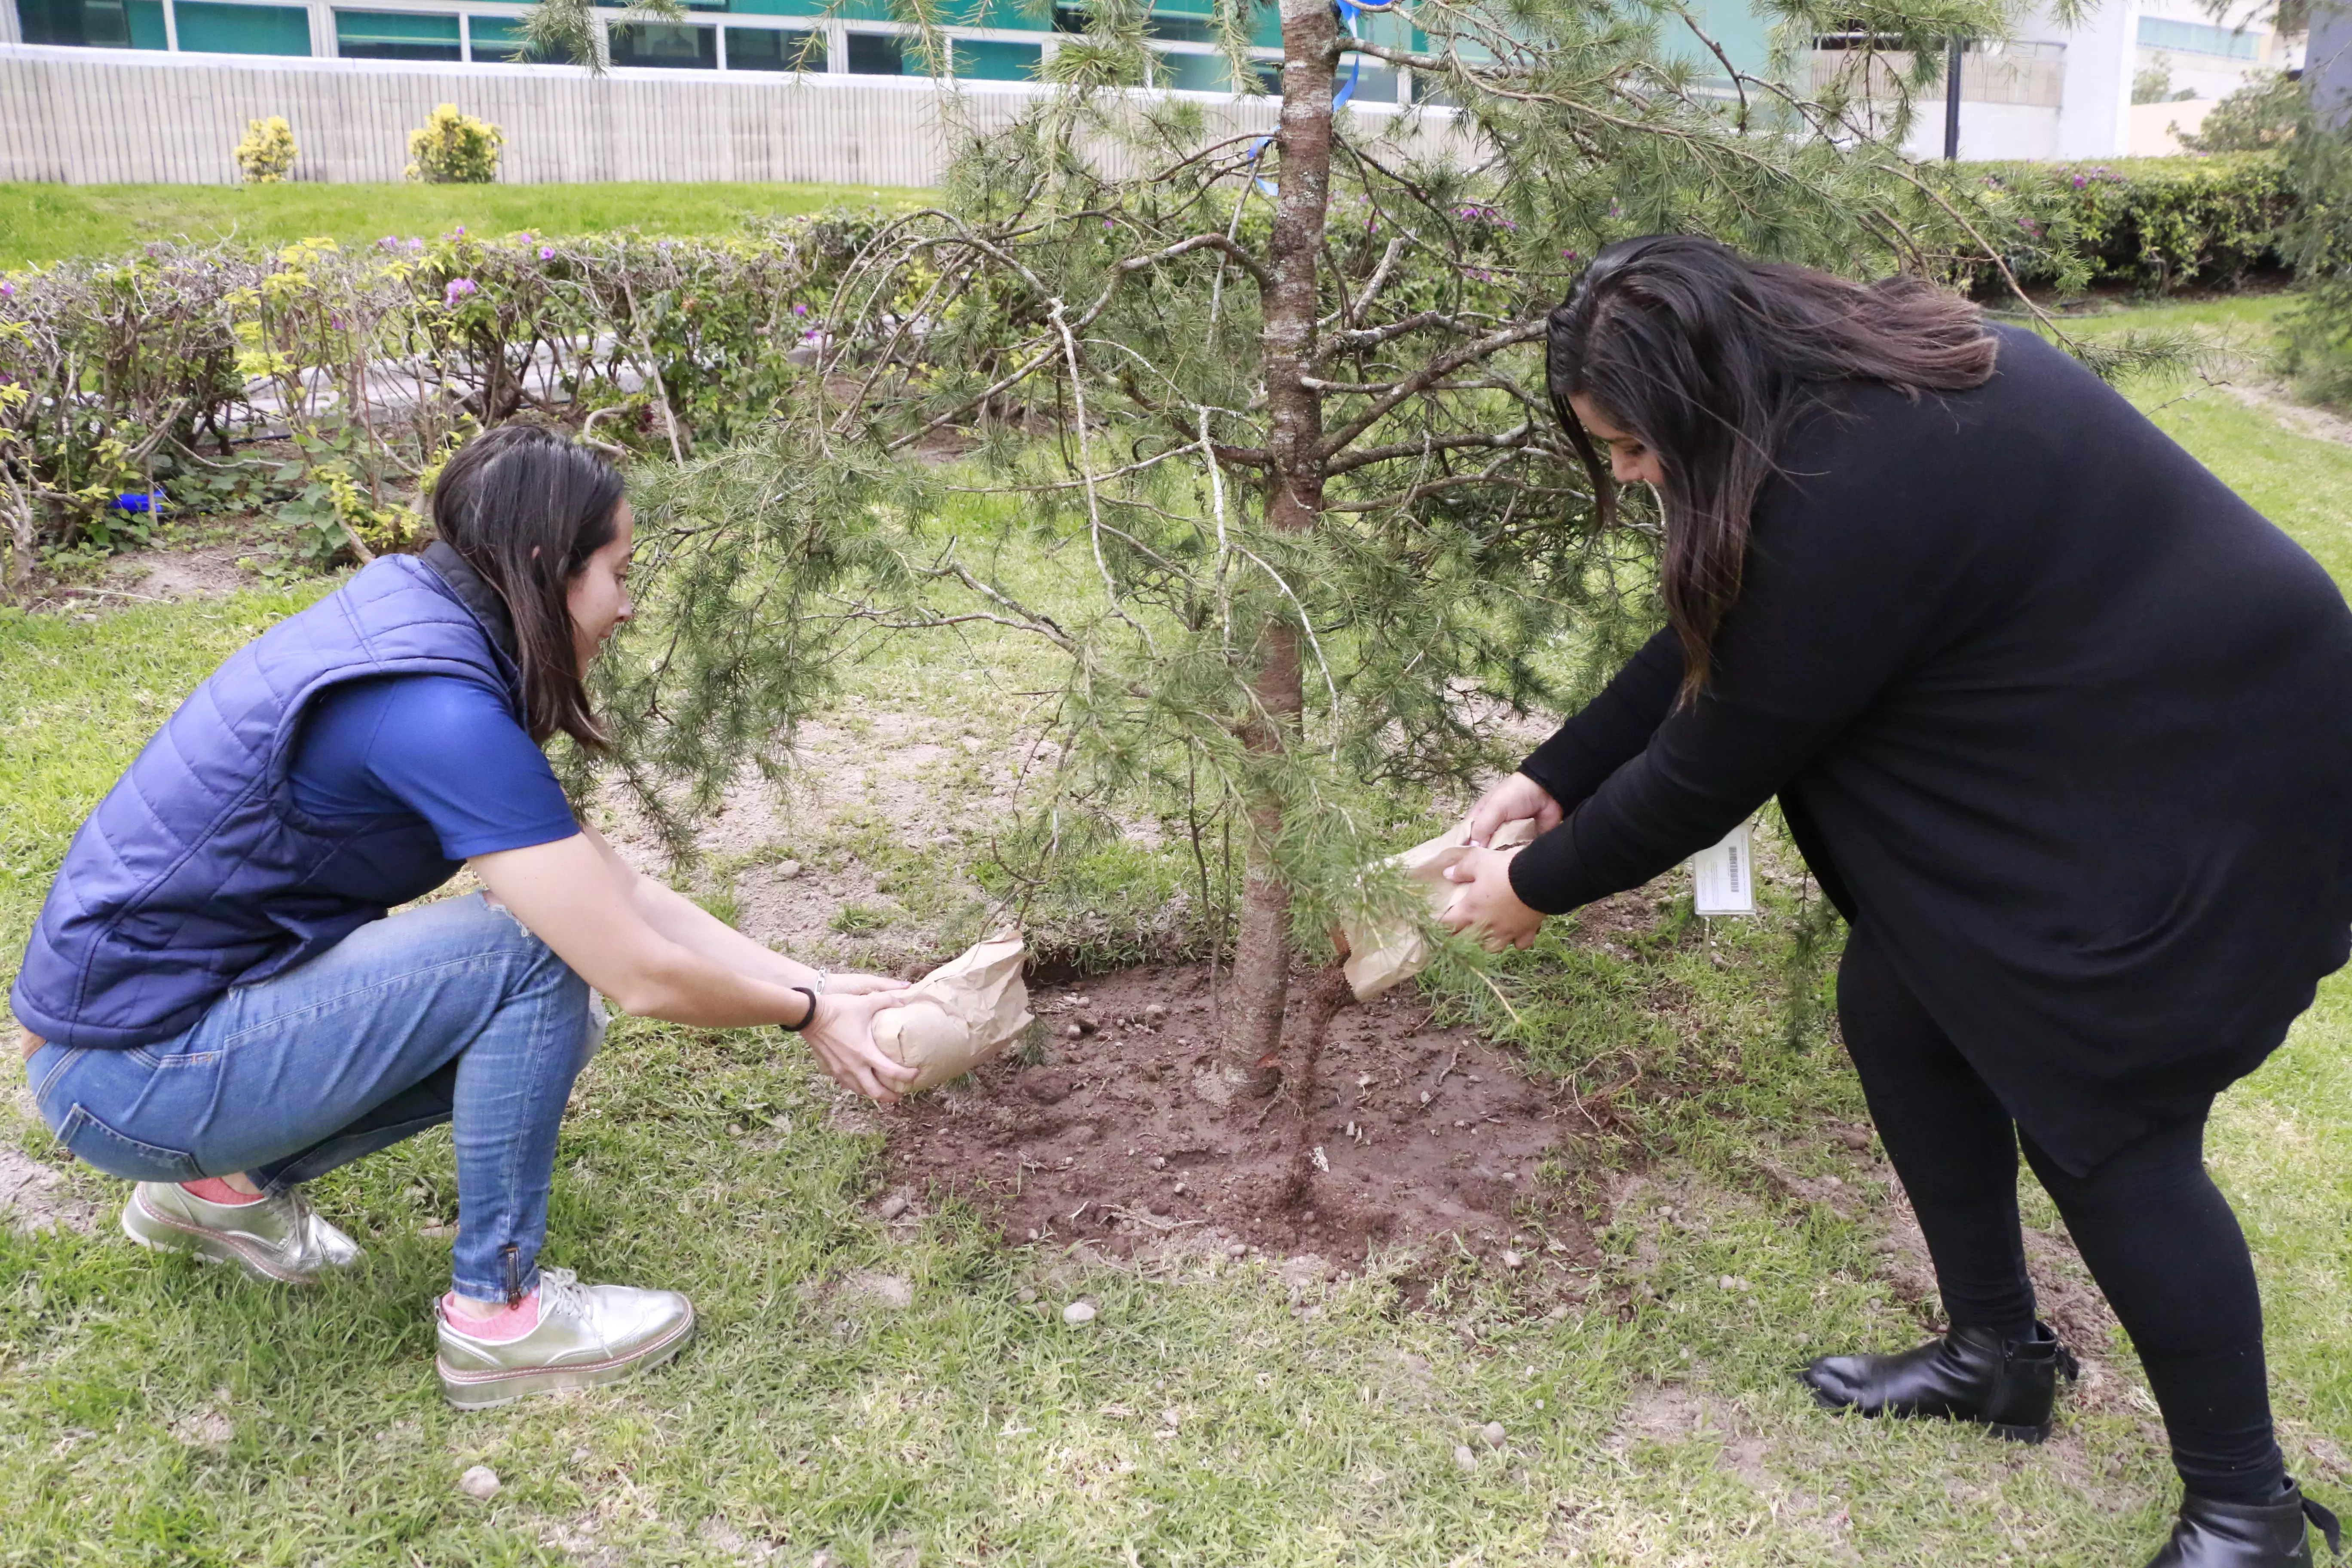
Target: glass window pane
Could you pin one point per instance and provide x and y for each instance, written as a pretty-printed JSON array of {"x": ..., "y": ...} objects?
[
  {"x": 209, "y": 28},
  {"x": 665, "y": 44},
  {"x": 877, "y": 54},
  {"x": 396, "y": 36},
  {"x": 499, "y": 41},
  {"x": 774, "y": 49},
  {"x": 996, "y": 62},
  {"x": 89, "y": 24}
]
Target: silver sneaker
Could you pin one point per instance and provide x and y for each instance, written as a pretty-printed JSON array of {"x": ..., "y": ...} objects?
[
  {"x": 280, "y": 1238},
  {"x": 587, "y": 1334}
]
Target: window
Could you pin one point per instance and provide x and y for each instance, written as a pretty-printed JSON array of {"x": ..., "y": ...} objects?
[
  {"x": 209, "y": 27},
  {"x": 1192, "y": 73},
  {"x": 2196, "y": 39},
  {"x": 665, "y": 44},
  {"x": 773, "y": 49},
  {"x": 996, "y": 62},
  {"x": 499, "y": 40},
  {"x": 877, "y": 54},
  {"x": 396, "y": 36},
  {"x": 1374, "y": 83},
  {"x": 93, "y": 24}
]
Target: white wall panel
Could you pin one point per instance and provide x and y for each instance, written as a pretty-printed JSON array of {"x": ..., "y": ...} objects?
[{"x": 89, "y": 117}]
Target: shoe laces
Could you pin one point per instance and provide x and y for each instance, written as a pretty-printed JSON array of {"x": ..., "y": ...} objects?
[{"x": 559, "y": 1290}]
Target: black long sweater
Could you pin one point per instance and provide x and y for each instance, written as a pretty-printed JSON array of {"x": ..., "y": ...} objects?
[{"x": 2049, "y": 708}]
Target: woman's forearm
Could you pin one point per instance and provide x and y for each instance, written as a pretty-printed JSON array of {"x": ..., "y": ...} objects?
[
  {"x": 1613, "y": 729},
  {"x": 696, "y": 929},
  {"x": 682, "y": 987}
]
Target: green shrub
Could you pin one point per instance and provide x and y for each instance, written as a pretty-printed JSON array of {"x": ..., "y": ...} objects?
[
  {"x": 266, "y": 154},
  {"x": 2316, "y": 354},
  {"x": 2262, "y": 114},
  {"x": 2159, "y": 223},
  {"x": 454, "y": 149}
]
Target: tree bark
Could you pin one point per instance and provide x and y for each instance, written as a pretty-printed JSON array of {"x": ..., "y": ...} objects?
[{"x": 1310, "y": 36}]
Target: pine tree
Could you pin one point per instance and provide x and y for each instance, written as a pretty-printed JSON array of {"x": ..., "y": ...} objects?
[{"x": 1287, "y": 391}]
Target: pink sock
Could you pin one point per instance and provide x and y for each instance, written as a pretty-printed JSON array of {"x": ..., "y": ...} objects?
[
  {"x": 214, "y": 1190},
  {"x": 506, "y": 1323}
]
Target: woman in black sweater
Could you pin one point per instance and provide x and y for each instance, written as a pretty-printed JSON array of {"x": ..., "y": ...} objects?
[{"x": 2063, "y": 729}]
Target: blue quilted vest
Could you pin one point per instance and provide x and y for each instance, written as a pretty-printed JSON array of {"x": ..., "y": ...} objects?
[{"x": 192, "y": 875}]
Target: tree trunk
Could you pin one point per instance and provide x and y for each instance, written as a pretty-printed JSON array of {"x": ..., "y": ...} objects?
[{"x": 1262, "y": 954}]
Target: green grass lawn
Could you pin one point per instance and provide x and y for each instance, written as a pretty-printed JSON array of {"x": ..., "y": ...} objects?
[
  {"x": 152, "y": 1412},
  {"x": 41, "y": 223}
]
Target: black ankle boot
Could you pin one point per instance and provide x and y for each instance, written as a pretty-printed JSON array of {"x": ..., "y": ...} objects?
[
  {"x": 1970, "y": 1374},
  {"x": 2215, "y": 1534}
]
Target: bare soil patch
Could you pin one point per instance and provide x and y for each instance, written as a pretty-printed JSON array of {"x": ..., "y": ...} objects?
[
  {"x": 1411, "y": 1137},
  {"x": 35, "y": 1196}
]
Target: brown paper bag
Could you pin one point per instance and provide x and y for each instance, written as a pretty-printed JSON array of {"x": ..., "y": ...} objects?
[
  {"x": 1381, "y": 955},
  {"x": 961, "y": 1013}
]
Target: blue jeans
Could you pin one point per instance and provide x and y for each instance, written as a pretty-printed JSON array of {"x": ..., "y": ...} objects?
[{"x": 448, "y": 1013}]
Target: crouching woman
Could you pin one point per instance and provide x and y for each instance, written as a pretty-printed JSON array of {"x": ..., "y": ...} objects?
[{"x": 217, "y": 1007}]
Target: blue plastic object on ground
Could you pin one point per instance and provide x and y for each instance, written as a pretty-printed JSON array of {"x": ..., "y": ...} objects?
[{"x": 141, "y": 500}]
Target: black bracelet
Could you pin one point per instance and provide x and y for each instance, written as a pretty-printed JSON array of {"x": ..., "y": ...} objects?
[{"x": 806, "y": 1018}]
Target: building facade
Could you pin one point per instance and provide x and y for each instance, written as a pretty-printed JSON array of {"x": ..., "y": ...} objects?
[
  {"x": 986, "y": 40},
  {"x": 147, "y": 90}
]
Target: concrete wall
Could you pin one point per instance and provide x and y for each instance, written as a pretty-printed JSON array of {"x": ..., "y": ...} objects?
[
  {"x": 2101, "y": 52},
  {"x": 80, "y": 116},
  {"x": 2154, "y": 125},
  {"x": 1988, "y": 131}
]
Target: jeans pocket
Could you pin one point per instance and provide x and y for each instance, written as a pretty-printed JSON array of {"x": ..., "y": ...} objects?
[{"x": 101, "y": 1148}]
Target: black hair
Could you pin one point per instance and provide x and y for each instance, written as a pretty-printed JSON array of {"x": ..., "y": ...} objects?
[
  {"x": 526, "y": 509},
  {"x": 1709, "y": 359}
]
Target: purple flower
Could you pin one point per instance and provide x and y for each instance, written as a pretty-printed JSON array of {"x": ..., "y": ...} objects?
[
  {"x": 800, "y": 310},
  {"x": 458, "y": 230},
  {"x": 525, "y": 237},
  {"x": 547, "y": 253},
  {"x": 416, "y": 244},
  {"x": 1107, "y": 223},
  {"x": 2081, "y": 179},
  {"x": 336, "y": 322},
  {"x": 1567, "y": 254},
  {"x": 7, "y": 290},
  {"x": 458, "y": 289}
]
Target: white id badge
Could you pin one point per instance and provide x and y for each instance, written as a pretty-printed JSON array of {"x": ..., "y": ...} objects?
[{"x": 1725, "y": 876}]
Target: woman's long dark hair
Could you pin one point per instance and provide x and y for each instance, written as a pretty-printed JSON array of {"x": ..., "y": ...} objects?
[
  {"x": 1709, "y": 359},
  {"x": 526, "y": 508}
]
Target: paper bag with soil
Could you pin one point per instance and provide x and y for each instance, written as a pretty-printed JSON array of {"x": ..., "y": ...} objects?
[
  {"x": 961, "y": 1013},
  {"x": 1384, "y": 953}
]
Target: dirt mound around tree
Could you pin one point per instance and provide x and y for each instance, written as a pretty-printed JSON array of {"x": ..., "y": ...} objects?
[{"x": 1126, "y": 1137}]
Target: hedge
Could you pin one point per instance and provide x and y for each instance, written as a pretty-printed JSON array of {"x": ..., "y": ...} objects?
[{"x": 2161, "y": 224}]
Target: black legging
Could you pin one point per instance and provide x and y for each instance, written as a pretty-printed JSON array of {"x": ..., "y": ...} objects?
[{"x": 2157, "y": 1235}]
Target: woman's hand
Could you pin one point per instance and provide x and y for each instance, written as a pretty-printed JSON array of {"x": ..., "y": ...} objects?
[
  {"x": 1487, "y": 907},
  {"x": 840, "y": 1033},
  {"x": 860, "y": 985},
  {"x": 1513, "y": 799}
]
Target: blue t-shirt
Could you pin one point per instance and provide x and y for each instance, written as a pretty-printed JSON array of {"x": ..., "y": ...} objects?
[{"x": 414, "y": 762}]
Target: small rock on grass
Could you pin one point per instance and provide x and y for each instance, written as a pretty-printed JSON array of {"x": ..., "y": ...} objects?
[
  {"x": 480, "y": 1483},
  {"x": 1492, "y": 1433},
  {"x": 893, "y": 1206},
  {"x": 1078, "y": 1312},
  {"x": 1513, "y": 1260},
  {"x": 1465, "y": 1457}
]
